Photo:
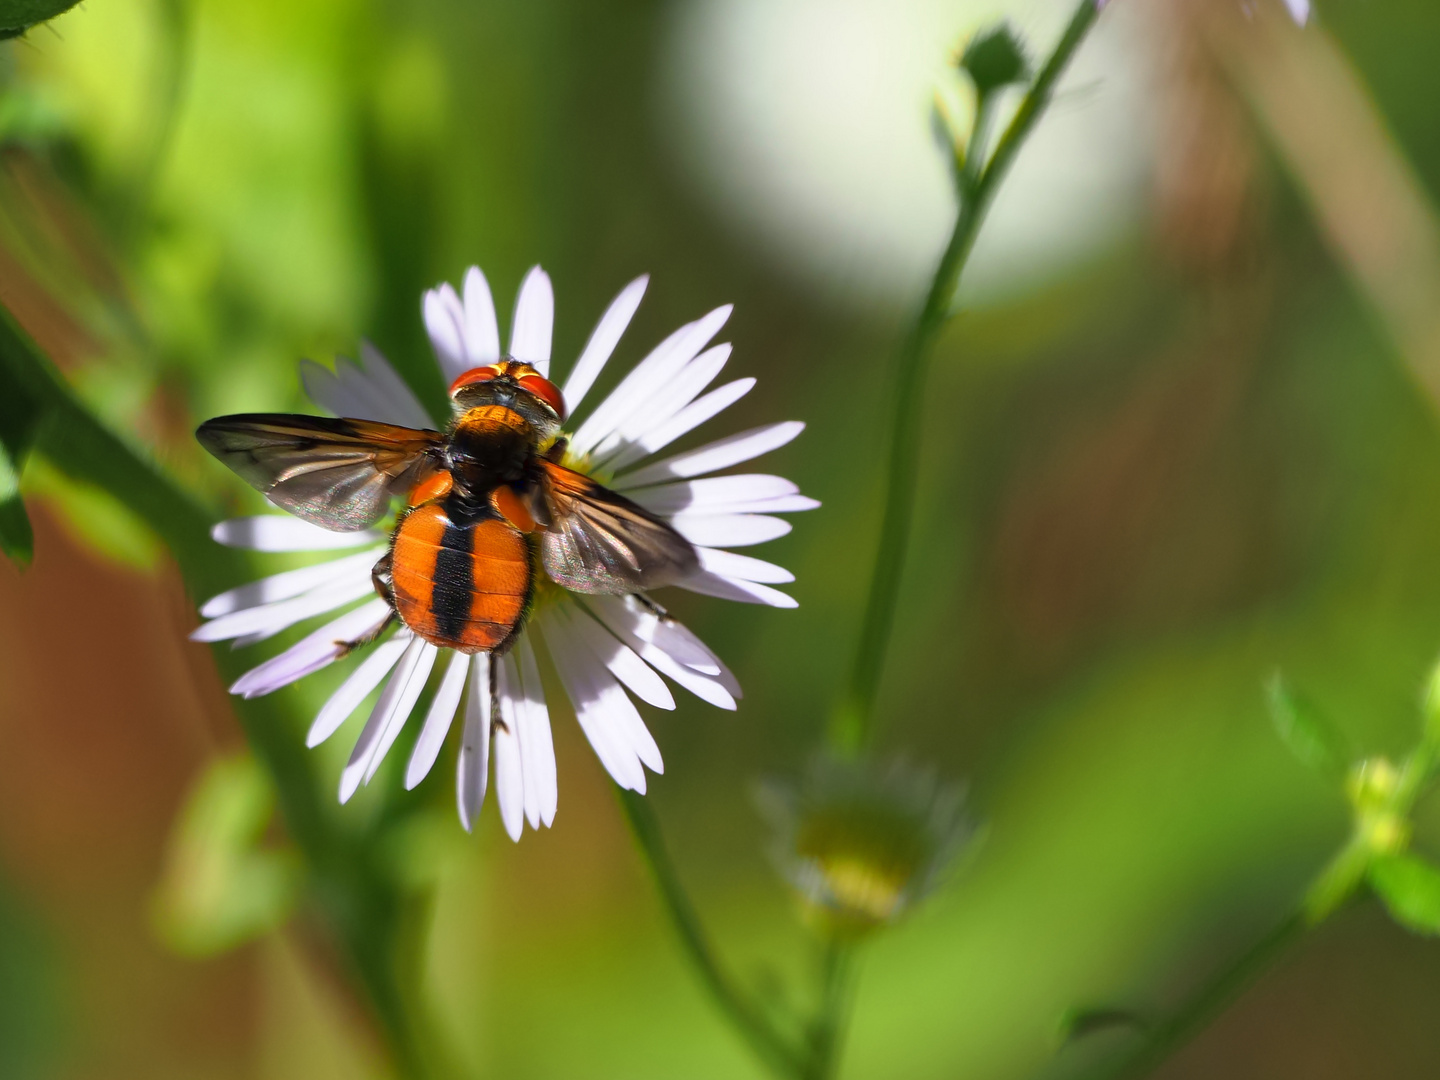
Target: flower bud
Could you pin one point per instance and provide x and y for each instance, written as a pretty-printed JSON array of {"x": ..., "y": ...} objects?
[{"x": 861, "y": 843}]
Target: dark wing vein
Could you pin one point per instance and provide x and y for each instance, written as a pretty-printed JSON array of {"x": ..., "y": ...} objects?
[
  {"x": 601, "y": 542},
  {"x": 336, "y": 473}
]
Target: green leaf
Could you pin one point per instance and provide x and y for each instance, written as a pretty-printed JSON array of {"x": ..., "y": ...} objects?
[
  {"x": 1409, "y": 887},
  {"x": 96, "y": 518},
  {"x": 219, "y": 888},
  {"x": 17, "y": 16},
  {"x": 995, "y": 58},
  {"x": 1308, "y": 732}
]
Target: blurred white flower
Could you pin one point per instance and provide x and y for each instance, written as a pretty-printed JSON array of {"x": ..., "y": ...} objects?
[
  {"x": 601, "y": 646},
  {"x": 807, "y": 125},
  {"x": 862, "y": 842},
  {"x": 1299, "y": 9}
]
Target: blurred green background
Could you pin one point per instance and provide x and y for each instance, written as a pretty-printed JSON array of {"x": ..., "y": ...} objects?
[{"x": 1176, "y": 442}]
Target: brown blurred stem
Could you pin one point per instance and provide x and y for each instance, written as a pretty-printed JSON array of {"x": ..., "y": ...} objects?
[
  {"x": 363, "y": 908},
  {"x": 852, "y": 725}
]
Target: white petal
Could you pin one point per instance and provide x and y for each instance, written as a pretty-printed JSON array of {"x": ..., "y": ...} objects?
[
  {"x": 729, "y": 530},
  {"x": 603, "y": 340},
  {"x": 276, "y": 532},
  {"x": 747, "y": 592},
  {"x": 269, "y": 619},
  {"x": 482, "y": 332},
  {"x": 535, "y": 737},
  {"x": 472, "y": 768},
  {"x": 390, "y": 711},
  {"x": 534, "y": 320},
  {"x": 414, "y": 687},
  {"x": 614, "y": 614},
  {"x": 664, "y": 403},
  {"x": 356, "y": 688},
  {"x": 288, "y": 584},
  {"x": 438, "y": 719},
  {"x": 714, "y": 493},
  {"x": 314, "y": 652},
  {"x": 445, "y": 321},
  {"x": 509, "y": 764},
  {"x": 515, "y": 709},
  {"x": 624, "y": 663},
  {"x": 648, "y": 378},
  {"x": 370, "y": 390},
  {"x": 630, "y": 618},
  {"x": 596, "y": 697},
  {"x": 714, "y": 456},
  {"x": 734, "y": 565},
  {"x": 617, "y": 708},
  {"x": 1299, "y": 10},
  {"x": 682, "y": 423},
  {"x": 402, "y": 407}
]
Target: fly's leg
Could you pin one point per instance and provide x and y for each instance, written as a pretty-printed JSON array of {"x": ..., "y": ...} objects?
[
  {"x": 651, "y": 606},
  {"x": 380, "y": 578},
  {"x": 496, "y": 723},
  {"x": 347, "y": 647},
  {"x": 556, "y": 453}
]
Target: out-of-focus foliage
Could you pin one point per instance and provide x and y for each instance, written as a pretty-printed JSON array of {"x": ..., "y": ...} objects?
[
  {"x": 18, "y": 16},
  {"x": 1155, "y": 471},
  {"x": 220, "y": 887}
]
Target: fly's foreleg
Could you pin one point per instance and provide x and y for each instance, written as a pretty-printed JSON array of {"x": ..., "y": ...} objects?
[
  {"x": 496, "y": 722},
  {"x": 380, "y": 578}
]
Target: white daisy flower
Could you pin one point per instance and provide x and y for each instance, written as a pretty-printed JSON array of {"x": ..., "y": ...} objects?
[{"x": 604, "y": 648}]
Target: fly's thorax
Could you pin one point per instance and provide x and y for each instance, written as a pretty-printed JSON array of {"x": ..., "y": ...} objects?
[
  {"x": 491, "y": 445},
  {"x": 508, "y": 394}
]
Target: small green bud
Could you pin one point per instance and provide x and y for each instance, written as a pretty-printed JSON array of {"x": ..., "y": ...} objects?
[
  {"x": 1371, "y": 784},
  {"x": 995, "y": 58}
]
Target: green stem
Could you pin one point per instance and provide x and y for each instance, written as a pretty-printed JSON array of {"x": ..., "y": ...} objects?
[
  {"x": 363, "y": 907},
  {"x": 771, "y": 1045},
  {"x": 829, "y": 1027},
  {"x": 1212, "y": 1000},
  {"x": 853, "y": 722},
  {"x": 1335, "y": 886}
]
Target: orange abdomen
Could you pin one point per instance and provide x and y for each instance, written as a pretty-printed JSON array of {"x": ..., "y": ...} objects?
[{"x": 460, "y": 582}]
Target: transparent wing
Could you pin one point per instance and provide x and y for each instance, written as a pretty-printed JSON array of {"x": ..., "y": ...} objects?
[
  {"x": 336, "y": 473},
  {"x": 601, "y": 542}
]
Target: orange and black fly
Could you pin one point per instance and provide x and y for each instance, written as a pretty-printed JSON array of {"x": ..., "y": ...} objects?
[{"x": 488, "y": 505}]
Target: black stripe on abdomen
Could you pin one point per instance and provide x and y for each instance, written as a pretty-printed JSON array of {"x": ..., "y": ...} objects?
[{"x": 454, "y": 581}]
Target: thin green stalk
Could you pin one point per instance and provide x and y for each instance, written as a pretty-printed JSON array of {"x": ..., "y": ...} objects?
[
  {"x": 853, "y": 723},
  {"x": 362, "y": 906},
  {"x": 829, "y": 1027},
  {"x": 1335, "y": 886},
  {"x": 771, "y": 1045},
  {"x": 1212, "y": 1000}
]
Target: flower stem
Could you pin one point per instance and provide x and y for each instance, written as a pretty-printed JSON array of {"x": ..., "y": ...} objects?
[
  {"x": 1336, "y": 885},
  {"x": 829, "y": 1026},
  {"x": 853, "y": 723},
  {"x": 362, "y": 906},
  {"x": 772, "y": 1046}
]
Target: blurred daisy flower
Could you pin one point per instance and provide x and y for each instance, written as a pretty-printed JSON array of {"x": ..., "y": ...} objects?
[
  {"x": 862, "y": 842},
  {"x": 604, "y": 648}
]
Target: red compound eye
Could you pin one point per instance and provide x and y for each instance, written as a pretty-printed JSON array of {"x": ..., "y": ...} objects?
[
  {"x": 473, "y": 376},
  {"x": 546, "y": 391}
]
